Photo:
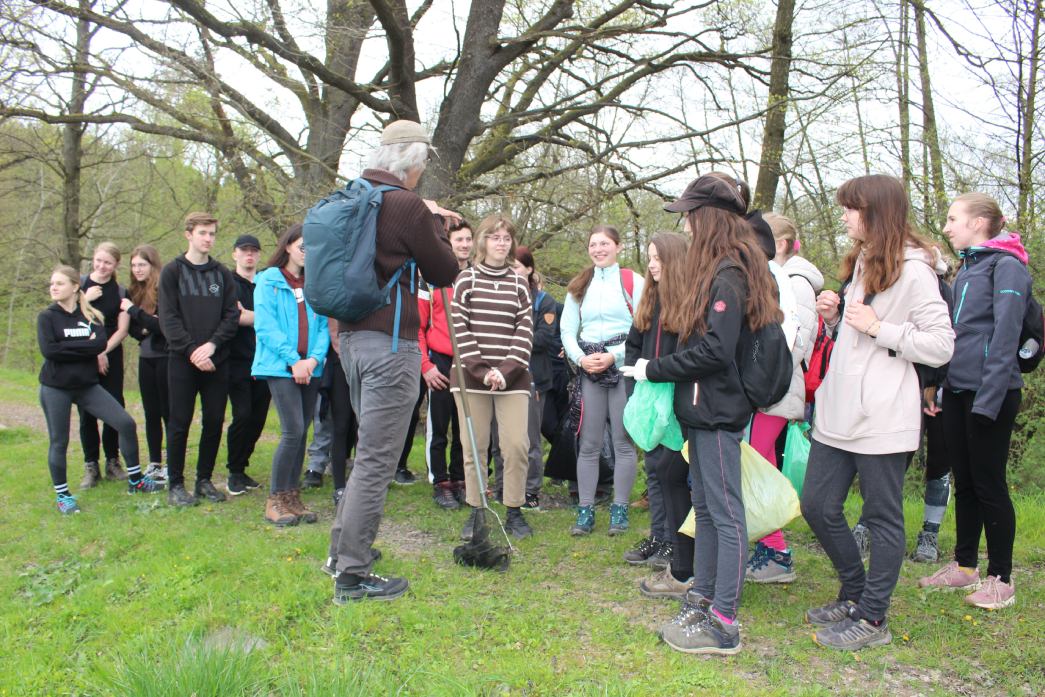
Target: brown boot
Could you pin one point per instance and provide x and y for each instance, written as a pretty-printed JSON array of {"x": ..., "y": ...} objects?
[
  {"x": 278, "y": 512},
  {"x": 115, "y": 471},
  {"x": 92, "y": 475},
  {"x": 294, "y": 497}
]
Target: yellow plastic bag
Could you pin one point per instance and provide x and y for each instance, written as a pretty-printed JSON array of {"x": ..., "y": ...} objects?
[{"x": 770, "y": 502}]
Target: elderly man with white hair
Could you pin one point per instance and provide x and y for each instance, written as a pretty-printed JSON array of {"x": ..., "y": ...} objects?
[{"x": 383, "y": 384}]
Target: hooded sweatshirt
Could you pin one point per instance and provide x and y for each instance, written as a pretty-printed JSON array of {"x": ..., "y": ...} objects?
[
  {"x": 198, "y": 305},
  {"x": 870, "y": 402},
  {"x": 70, "y": 354},
  {"x": 988, "y": 318},
  {"x": 807, "y": 282}
]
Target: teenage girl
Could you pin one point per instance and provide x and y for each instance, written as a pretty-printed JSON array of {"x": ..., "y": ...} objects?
[
  {"x": 868, "y": 409},
  {"x": 595, "y": 324},
  {"x": 981, "y": 396},
  {"x": 71, "y": 336},
  {"x": 730, "y": 292},
  {"x": 292, "y": 343},
  {"x": 105, "y": 294},
  {"x": 141, "y": 306},
  {"x": 652, "y": 336}
]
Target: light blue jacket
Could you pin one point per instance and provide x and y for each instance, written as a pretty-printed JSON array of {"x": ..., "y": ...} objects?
[
  {"x": 276, "y": 326},
  {"x": 604, "y": 312}
]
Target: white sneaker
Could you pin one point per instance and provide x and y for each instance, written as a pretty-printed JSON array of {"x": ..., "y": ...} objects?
[{"x": 156, "y": 473}]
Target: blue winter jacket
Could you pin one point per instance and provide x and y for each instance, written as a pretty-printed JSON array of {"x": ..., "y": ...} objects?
[
  {"x": 276, "y": 326},
  {"x": 988, "y": 318}
]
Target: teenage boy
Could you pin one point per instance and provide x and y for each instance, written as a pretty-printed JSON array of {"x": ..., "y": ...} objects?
[
  {"x": 250, "y": 398},
  {"x": 199, "y": 314}
]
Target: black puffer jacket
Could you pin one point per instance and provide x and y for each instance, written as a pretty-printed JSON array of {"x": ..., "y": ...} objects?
[
  {"x": 650, "y": 344},
  {"x": 708, "y": 392}
]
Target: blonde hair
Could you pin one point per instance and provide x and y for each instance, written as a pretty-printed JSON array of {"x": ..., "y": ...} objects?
[
  {"x": 110, "y": 249},
  {"x": 93, "y": 316},
  {"x": 783, "y": 229},
  {"x": 488, "y": 227},
  {"x": 979, "y": 205}
]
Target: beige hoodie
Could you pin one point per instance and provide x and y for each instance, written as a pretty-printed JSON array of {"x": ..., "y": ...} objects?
[{"x": 870, "y": 402}]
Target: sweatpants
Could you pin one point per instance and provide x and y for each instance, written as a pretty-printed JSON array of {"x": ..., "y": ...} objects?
[
  {"x": 111, "y": 382},
  {"x": 415, "y": 417},
  {"x": 672, "y": 472},
  {"x": 510, "y": 409},
  {"x": 829, "y": 477},
  {"x": 765, "y": 430},
  {"x": 57, "y": 404},
  {"x": 156, "y": 402},
  {"x": 979, "y": 455},
  {"x": 185, "y": 381},
  {"x": 535, "y": 452},
  {"x": 384, "y": 389},
  {"x": 659, "y": 527},
  {"x": 343, "y": 425},
  {"x": 601, "y": 403},
  {"x": 250, "y": 399},
  {"x": 296, "y": 405},
  {"x": 442, "y": 417}
]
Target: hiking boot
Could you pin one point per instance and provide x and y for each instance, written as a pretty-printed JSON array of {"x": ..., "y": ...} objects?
[
  {"x": 236, "y": 486},
  {"x": 179, "y": 496},
  {"x": 145, "y": 486},
  {"x": 404, "y": 478},
  {"x": 330, "y": 567},
  {"x": 585, "y": 521},
  {"x": 853, "y": 635},
  {"x": 205, "y": 489},
  {"x": 533, "y": 504},
  {"x": 928, "y": 549},
  {"x": 993, "y": 594},
  {"x": 460, "y": 493},
  {"x": 338, "y": 493},
  {"x": 641, "y": 554},
  {"x": 830, "y": 614},
  {"x": 643, "y": 501},
  {"x": 466, "y": 531},
  {"x": 115, "y": 471},
  {"x": 863, "y": 539},
  {"x": 710, "y": 635},
  {"x": 92, "y": 475},
  {"x": 278, "y": 512},
  {"x": 664, "y": 585},
  {"x": 67, "y": 504},
  {"x": 952, "y": 577},
  {"x": 516, "y": 524},
  {"x": 312, "y": 480},
  {"x": 298, "y": 508},
  {"x": 156, "y": 472},
  {"x": 603, "y": 497},
  {"x": 694, "y": 609},
  {"x": 352, "y": 588},
  {"x": 770, "y": 566},
  {"x": 618, "y": 519},
  {"x": 443, "y": 495},
  {"x": 661, "y": 559}
]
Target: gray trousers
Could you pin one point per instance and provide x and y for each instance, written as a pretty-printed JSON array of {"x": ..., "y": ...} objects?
[
  {"x": 384, "y": 390},
  {"x": 535, "y": 470},
  {"x": 296, "y": 406},
  {"x": 322, "y": 436},
  {"x": 601, "y": 403},
  {"x": 829, "y": 476},
  {"x": 720, "y": 540},
  {"x": 658, "y": 515}
]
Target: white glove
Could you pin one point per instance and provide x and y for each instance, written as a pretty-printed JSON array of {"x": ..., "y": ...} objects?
[{"x": 637, "y": 371}]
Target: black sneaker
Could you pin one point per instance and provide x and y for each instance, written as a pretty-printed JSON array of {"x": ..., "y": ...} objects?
[
  {"x": 404, "y": 478},
  {"x": 443, "y": 495},
  {"x": 460, "y": 492},
  {"x": 533, "y": 504},
  {"x": 204, "y": 489},
  {"x": 466, "y": 531},
  {"x": 516, "y": 524},
  {"x": 641, "y": 554},
  {"x": 179, "y": 496},
  {"x": 661, "y": 559},
  {"x": 235, "y": 484},
  {"x": 330, "y": 566},
  {"x": 338, "y": 493},
  {"x": 312, "y": 480},
  {"x": 352, "y": 588},
  {"x": 248, "y": 482}
]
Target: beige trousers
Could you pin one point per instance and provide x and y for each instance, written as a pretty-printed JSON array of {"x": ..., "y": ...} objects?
[{"x": 512, "y": 411}]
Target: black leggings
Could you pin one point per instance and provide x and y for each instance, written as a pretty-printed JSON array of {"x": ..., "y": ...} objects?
[
  {"x": 111, "y": 382},
  {"x": 978, "y": 456},
  {"x": 346, "y": 428},
  {"x": 152, "y": 382},
  {"x": 672, "y": 471}
]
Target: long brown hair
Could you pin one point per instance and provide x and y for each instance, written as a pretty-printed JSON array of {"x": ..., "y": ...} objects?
[
  {"x": 281, "y": 256},
  {"x": 670, "y": 290},
  {"x": 720, "y": 235},
  {"x": 146, "y": 295},
  {"x": 93, "y": 315},
  {"x": 525, "y": 257},
  {"x": 579, "y": 284},
  {"x": 885, "y": 218}
]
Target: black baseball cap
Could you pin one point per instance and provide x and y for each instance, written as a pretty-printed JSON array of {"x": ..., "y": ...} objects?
[
  {"x": 247, "y": 241},
  {"x": 708, "y": 191}
]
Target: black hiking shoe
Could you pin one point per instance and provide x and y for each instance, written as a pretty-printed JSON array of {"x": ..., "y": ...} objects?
[
  {"x": 204, "y": 489},
  {"x": 179, "y": 496},
  {"x": 466, "y": 531},
  {"x": 661, "y": 559},
  {"x": 312, "y": 480},
  {"x": 443, "y": 495},
  {"x": 516, "y": 524},
  {"x": 350, "y": 588},
  {"x": 641, "y": 554},
  {"x": 405, "y": 478},
  {"x": 460, "y": 493}
]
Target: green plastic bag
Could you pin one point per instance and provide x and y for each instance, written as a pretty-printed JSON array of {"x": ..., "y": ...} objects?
[
  {"x": 796, "y": 455},
  {"x": 649, "y": 416}
]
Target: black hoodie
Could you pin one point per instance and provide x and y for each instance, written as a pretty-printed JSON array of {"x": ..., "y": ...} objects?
[
  {"x": 652, "y": 343},
  {"x": 243, "y": 344},
  {"x": 70, "y": 353},
  {"x": 198, "y": 305}
]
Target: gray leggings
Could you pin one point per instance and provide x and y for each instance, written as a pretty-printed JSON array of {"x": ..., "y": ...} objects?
[
  {"x": 296, "y": 406},
  {"x": 57, "y": 404},
  {"x": 601, "y": 403}
]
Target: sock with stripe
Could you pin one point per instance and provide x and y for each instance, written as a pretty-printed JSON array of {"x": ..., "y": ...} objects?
[{"x": 62, "y": 489}]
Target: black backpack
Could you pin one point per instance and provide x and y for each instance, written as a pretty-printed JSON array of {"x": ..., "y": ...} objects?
[{"x": 1032, "y": 334}]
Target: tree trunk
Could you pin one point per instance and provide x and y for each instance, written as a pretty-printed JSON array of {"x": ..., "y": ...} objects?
[
  {"x": 903, "y": 96},
  {"x": 1024, "y": 213},
  {"x": 769, "y": 166},
  {"x": 937, "y": 194},
  {"x": 72, "y": 145}
]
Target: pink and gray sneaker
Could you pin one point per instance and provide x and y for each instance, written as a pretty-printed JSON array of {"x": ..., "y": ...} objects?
[
  {"x": 993, "y": 594},
  {"x": 951, "y": 577}
]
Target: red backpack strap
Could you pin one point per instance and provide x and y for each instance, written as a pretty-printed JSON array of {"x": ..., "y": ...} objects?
[{"x": 627, "y": 284}]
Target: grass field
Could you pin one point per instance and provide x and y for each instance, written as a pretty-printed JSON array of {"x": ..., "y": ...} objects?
[{"x": 134, "y": 598}]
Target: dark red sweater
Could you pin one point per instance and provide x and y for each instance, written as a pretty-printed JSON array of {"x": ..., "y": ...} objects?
[{"x": 405, "y": 229}]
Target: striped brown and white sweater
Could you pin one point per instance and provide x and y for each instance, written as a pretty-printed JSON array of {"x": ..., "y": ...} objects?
[{"x": 494, "y": 325}]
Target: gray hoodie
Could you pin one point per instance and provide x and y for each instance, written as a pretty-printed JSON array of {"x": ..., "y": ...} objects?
[{"x": 807, "y": 282}]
